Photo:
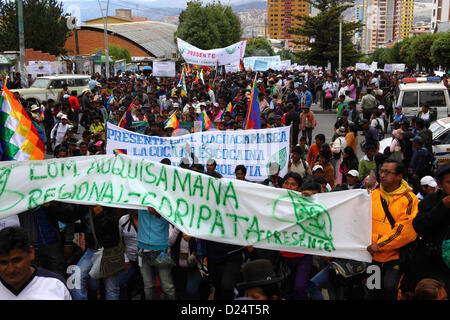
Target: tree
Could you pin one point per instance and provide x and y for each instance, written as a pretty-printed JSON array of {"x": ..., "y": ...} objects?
[
  {"x": 45, "y": 26},
  {"x": 116, "y": 52},
  {"x": 210, "y": 26},
  {"x": 440, "y": 50},
  {"x": 420, "y": 50},
  {"x": 288, "y": 55},
  {"x": 258, "y": 47},
  {"x": 322, "y": 33}
]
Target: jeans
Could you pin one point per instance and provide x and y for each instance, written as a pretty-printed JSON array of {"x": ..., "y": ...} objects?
[
  {"x": 321, "y": 281},
  {"x": 111, "y": 283},
  {"x": 390, "y": 278},
  {"x": 301, "y": 268},
  {"x": 224, "y": 276},
  {"x": 149, "y": 273},
  {"x": 308, "y": 134},
  {"x": 187, "y": 283}
]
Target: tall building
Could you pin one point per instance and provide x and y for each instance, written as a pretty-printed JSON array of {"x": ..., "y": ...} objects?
[
  {"x": 385, "y": 21},
  {"x": 280, "y": 18},
  {"x": 403, "y": 19},
  {"x": 440, "y": 14}
]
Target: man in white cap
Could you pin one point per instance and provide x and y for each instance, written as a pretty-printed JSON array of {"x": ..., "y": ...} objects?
[
  {"x": 427, "y": 185},
  {"x": 353, "y": 180},
  {"x": 59, "y": 131}
]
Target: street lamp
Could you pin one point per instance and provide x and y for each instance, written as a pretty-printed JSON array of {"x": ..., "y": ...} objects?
[{"x": 105, "y": 28}]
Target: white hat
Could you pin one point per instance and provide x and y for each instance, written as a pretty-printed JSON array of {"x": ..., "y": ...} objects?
[
  {"x": 64, "y": 117},
  {"x": 85, "y": 90},
  {"x": 317, "y": 167},
  {"x": 34, "y": 107},
  {"x": 428, "y": 181},
  {"x": 381, "y": 107},
  {"x": 353, "y": 173},
  {"x": 66, "y": 96}
]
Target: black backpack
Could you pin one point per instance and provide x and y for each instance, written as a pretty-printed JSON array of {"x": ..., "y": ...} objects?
[
  {"x": 429, "y": 165},
  {"x": 379, "y": 129}
]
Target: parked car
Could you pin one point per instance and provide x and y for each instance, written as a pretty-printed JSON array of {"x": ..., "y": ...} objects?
[
  {"x": 440, "y": 142},
  {"x": 48, "y": 87}
]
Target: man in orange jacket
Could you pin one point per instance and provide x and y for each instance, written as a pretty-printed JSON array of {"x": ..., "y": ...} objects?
[{"x": 387, "y": 241}]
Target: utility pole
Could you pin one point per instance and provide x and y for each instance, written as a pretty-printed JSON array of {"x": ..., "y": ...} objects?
[
  {"x": 21, "y": 39},
  {"x": 105, "y": 27},
  {"x": 340, "y": 47}
]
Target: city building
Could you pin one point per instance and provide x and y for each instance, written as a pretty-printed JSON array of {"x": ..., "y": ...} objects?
[
  {"x": 142, "y": 39},
  {"x": 440, "y": 15},
  {"x": 280, "y": 19},
  {"x": 403, "y": 19},
  {"x": 419, "y": 29},
  {"x": 385, "y": 21}
]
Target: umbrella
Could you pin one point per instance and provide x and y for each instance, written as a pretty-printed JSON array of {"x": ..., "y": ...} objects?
[{"x": 147, "y": 68}]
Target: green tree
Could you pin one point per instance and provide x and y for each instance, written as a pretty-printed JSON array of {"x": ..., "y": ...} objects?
[
  {"x": 440, "y": 50},
  {"x": 258, "y": 47},
  {"x": 45, "y": 26},
  {"x": 289, "y": 55},
  {"x": 322, "y": 33},
  {"x": 420, "y": 50},
  {"x": 406, "y": 53},
  {"x": 210, "y": 26},
  {"x": 116, "y": 52}
]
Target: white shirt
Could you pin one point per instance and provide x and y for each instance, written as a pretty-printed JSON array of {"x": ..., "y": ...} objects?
[
  {"x": 43, "y": 285},
  {"x": 377, "y": 121},
  {"x": 60, "y": 130},
  {"x": 129, "y": 236},
  {"x": 425, "y": 116}
]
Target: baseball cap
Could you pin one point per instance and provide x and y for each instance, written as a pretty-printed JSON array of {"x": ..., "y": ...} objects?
[
  {"x": 428, "y": 181},
  {"x": 417, "y": 139},
  {"x": 317, "y": 167},
  {"x": 381, "y": 107},
  {"x": 398, "y": 107},
  {"x": 66, "y": 96},
  {"x": 64, "y": 117},
  {"x": 353, "y": 173}
]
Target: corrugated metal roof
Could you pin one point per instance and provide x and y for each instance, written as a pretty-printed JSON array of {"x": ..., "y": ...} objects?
[{"x": 154, "y": 36}]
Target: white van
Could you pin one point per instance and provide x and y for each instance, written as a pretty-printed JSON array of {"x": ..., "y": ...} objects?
[
  {"x": 48, "y": 87},
  {"x": 414, "y": 92}
]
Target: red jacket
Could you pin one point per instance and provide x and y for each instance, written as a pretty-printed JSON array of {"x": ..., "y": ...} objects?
[{"x": 74, "y": 103}]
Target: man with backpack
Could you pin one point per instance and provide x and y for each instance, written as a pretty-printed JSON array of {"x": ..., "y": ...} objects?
[
  {"x": 421, "y": 163},
  {"x": 298, "y": 164},
  {"x": 378, "y": 123}
]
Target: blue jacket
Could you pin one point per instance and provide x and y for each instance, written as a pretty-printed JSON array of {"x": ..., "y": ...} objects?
[
  {"x": 418, "y": 161},
  {"x": 153, "y": 232},
  {"x": 306, "y": 96}
]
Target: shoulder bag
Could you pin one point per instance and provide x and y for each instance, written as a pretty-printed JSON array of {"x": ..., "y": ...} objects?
[
  {"x": 407, "y": 253},
  {"x": 113, "y": 259}
]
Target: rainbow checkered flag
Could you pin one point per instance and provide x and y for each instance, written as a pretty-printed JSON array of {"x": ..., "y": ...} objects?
[{"x": 19, "y": 138}]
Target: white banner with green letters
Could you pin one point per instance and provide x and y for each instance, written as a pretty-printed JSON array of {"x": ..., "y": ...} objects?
[{"x": 336, "y": 224}]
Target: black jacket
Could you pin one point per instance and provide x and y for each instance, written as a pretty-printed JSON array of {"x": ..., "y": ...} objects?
[
  {"x": 56, "y": 211},
  {"x": 432, "y": 223}
]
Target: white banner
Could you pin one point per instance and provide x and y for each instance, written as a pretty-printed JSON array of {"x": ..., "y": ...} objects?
[
  {"x": 39, "y": 67},
  {"x": 164, "y": 69},
  {"x": 258, "y": 61},
  {"x": 362, "y": 66},
  {"x": 255, "y": 149},
  {"x": 229, "y": 55},
  {"x": 231, "y": 68},
  {"x": 398, "y": 67},
  {"x": 335, "y": 224}
]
